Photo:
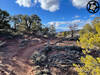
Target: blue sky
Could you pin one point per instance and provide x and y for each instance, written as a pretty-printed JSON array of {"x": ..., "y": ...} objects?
[{"x": 61, "y": 13}]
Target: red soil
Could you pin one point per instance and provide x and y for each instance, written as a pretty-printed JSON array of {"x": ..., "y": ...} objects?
[{"x": 18, "y": 59}]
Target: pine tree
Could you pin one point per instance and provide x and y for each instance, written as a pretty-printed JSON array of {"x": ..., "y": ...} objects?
[{"x": 4, "y": 19}]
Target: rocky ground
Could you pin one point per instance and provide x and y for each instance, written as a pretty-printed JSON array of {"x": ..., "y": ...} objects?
[
  {"x": 60, "y": 58},
  {"x": 25, "y": 56}
]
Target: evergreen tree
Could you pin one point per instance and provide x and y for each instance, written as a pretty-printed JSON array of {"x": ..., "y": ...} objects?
[
  {"x": 4, "y": 20},
  {"x": 52, "y": 31},
  {"x": 16, "y": 20}
]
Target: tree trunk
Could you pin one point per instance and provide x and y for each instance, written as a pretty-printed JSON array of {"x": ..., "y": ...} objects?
[{"x": 72, "y": 33}]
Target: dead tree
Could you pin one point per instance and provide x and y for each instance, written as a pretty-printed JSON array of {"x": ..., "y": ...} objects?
[{"x": 72, "y": 29}]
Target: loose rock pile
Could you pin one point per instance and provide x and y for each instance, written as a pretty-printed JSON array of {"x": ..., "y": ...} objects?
[
  {"x": 5, "y": 67},
  {"x": 56, "y": 56}
]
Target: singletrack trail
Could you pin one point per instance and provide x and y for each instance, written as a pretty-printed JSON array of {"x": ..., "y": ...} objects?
[{"x": 18, "y": 59}]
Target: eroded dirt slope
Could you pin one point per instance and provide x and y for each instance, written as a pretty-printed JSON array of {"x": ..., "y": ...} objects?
[{"x": 16, "y": 58}]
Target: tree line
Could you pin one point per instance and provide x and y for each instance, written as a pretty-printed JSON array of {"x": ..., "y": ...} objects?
[{"x": 24, "y": 24}]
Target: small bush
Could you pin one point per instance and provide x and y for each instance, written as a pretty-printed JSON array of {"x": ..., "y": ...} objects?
[{"x": 91, "y": 66}]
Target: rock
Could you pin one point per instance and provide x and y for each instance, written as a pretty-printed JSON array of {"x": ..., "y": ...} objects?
[
  {"x": 38, "y": 58},
  {"x": 63, "y": 58},
  {"x": 2, "y": 44},
  {"x": 12, "y": 73},
  {"x": 2, "y": 72},
  {"x": 23, "y": 43}
]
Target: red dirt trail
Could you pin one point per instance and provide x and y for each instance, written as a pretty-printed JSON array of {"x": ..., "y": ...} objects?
[{"x": 18, "y": 59}]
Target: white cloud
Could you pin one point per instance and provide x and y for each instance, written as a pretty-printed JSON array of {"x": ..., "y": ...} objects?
[
  {"x": 63, "y": 25},
  {"x": 35, "y": 1},
  {"x": 76, "y": 16},
  {"x": 80, "y": 3},
  {"x": 49, "y": 5},
  {"x": 57, "y": 23},
  {"x": 92, "y": 15},
  {"x": 75, "y": 21},
  {"x": 62, "y": 28},
  {"x": 87, "y": 21},
  {"x": 25, "y": 3}
]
